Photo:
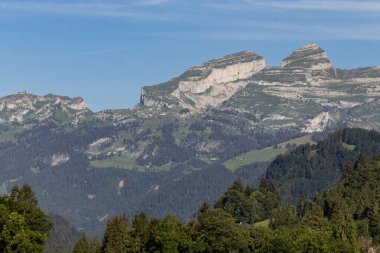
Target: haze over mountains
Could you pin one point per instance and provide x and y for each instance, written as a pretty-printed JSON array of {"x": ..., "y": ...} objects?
[{"x": 187, "y": 140}]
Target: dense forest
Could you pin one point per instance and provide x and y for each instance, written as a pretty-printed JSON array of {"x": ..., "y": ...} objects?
[
  {"x": 344, "y": 218},
  {"x": 309, "y": 169},
  {"x": 27, "y": 159}
]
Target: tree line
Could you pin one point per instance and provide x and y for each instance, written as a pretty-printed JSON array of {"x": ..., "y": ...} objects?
[{"x": 344, "y": 218}]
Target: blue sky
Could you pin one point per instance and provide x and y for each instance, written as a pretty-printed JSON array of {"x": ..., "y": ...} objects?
[{"x": 105, "y": 51}]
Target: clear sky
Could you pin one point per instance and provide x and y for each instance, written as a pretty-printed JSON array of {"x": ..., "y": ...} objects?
[{"x": 105, "y": 51}]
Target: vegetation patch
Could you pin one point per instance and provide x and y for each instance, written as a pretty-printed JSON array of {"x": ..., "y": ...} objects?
[
  {"x": 348, "y": 146},
  {"x": 262, "y": 224},
  {"x": 114, "y": 162},
  {"x": 254, "y": 156},
  {"x": 127, "y": 164},
  {"x": 35, "y": 170},
  {"x": 297, "y": 141}
]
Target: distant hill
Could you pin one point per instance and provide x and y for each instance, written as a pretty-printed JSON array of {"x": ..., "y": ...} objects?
[{"x": 62, "y": 237}]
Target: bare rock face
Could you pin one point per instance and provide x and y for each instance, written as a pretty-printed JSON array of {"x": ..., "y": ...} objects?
[
  {"x": 310, "y": 56},
  {"x": 222, "y": 70},
  {"x": 24, "y": 107},
  {"x": 216, "y": 80},
  {"x": 206, "y": 85},
  {"x": 306, "y": 91}
]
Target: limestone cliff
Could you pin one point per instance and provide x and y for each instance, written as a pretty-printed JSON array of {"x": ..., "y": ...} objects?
[{"x": 206, "y": 85}]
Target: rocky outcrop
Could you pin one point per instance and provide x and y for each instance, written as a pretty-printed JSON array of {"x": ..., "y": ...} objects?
[
  {"x": 216, "y": 81},
  {"x": 24, "y": 107},
  {"x": 222, "y": 70},
  {"x": 206, "y": 85},
  {"x": 310, "y": 56}
]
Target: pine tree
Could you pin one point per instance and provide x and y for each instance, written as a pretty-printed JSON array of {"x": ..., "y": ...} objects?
[
  {"x": 238, "y": 185},
  {"x": 116, "y": 236},
  {"x": 139, "y": 234},
  {"x": 84, "y": 245}
]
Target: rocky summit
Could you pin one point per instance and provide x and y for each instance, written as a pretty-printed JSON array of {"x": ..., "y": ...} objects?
[
  {"x": 206, "y": 85},
  {"x": 305, "y": 92},
  {"x": 187, "y": 139},
  {"x": 23, "y": 108},
  {"x": 310, "y": 56}
]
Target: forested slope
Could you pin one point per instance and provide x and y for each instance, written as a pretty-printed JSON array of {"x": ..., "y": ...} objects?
[
  {"x": 308, "y": 169},
  {"x": 343, "y": 219}
]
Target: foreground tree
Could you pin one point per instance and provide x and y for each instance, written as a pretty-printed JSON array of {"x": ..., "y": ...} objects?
[
  {"x": 116, "y": 235},
  {"x": 23, "y": 226},
  {"x": 218, "y": 232},
  {"x": 85, "y": 245}
]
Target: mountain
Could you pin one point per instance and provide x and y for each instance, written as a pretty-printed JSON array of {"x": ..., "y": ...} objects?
[
  {"x": 185, "y": 142},
  {"x": 26, "y": 108},
  {"x": 310, "y": 56},
  {"x": 206, "y": 85},
  {"x": 306, "y": 92}
]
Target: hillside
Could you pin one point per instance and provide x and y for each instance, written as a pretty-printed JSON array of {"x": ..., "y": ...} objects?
[
  {"x": 187, "y": 140},
  {"x": 309, "y": 169},
  {"x": 343, "y": 219}
]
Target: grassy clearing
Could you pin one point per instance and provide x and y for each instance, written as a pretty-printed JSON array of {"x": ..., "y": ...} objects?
[
  {"x": 9, "y": 135},
  {"x": 126, "y": 164},
  {"x": 254, "y": 156},
  {"x": 298, "y": 141},
  {"x": 348, "y": 146},
  {"x": 114, "y": 162},
  {"x": 262, "y": 224}
]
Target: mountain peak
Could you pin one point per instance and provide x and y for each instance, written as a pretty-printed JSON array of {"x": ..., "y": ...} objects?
[
  {"x": 310, "y": 56},
  {"x": 231, "y": 59},
  {"x": 23, "y": 106},
  {"x": 213, "y": 82},
  {"x": 208, "y": 84}
]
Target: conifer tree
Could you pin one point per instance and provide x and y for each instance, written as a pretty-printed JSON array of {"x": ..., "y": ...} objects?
[{"x": 116, "y": 236}]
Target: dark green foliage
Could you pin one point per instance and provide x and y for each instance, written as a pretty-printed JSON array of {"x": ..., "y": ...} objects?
[
  {"x": 23, "y": 226},
  {"x": 27, "y": 158},
  {"x": 283, "y": 216},
  {"x": 205, "y": 207},
  {"x": 217, "y": 232},
  {"x": 343, "y": 219},
  {"x": 166, "y": 235},
  {"x": 139, "y": 232},
  {"x": 309, "y": 169},
  {"x": 249, "y": 205},
  {"x": 350, "y": 210},
  {"x": 115, "y": 236},
  {"x": 84, "y": 245},
  {"x": 185, "y": 194}
]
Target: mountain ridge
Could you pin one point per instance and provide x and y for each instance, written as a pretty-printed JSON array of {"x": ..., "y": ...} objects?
[
  {"x": 169, "y": 150},
  {"x": 313, "y": 51},
  {"x": 306, "y": 66},
  {"x": 21, "y": 107}
]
